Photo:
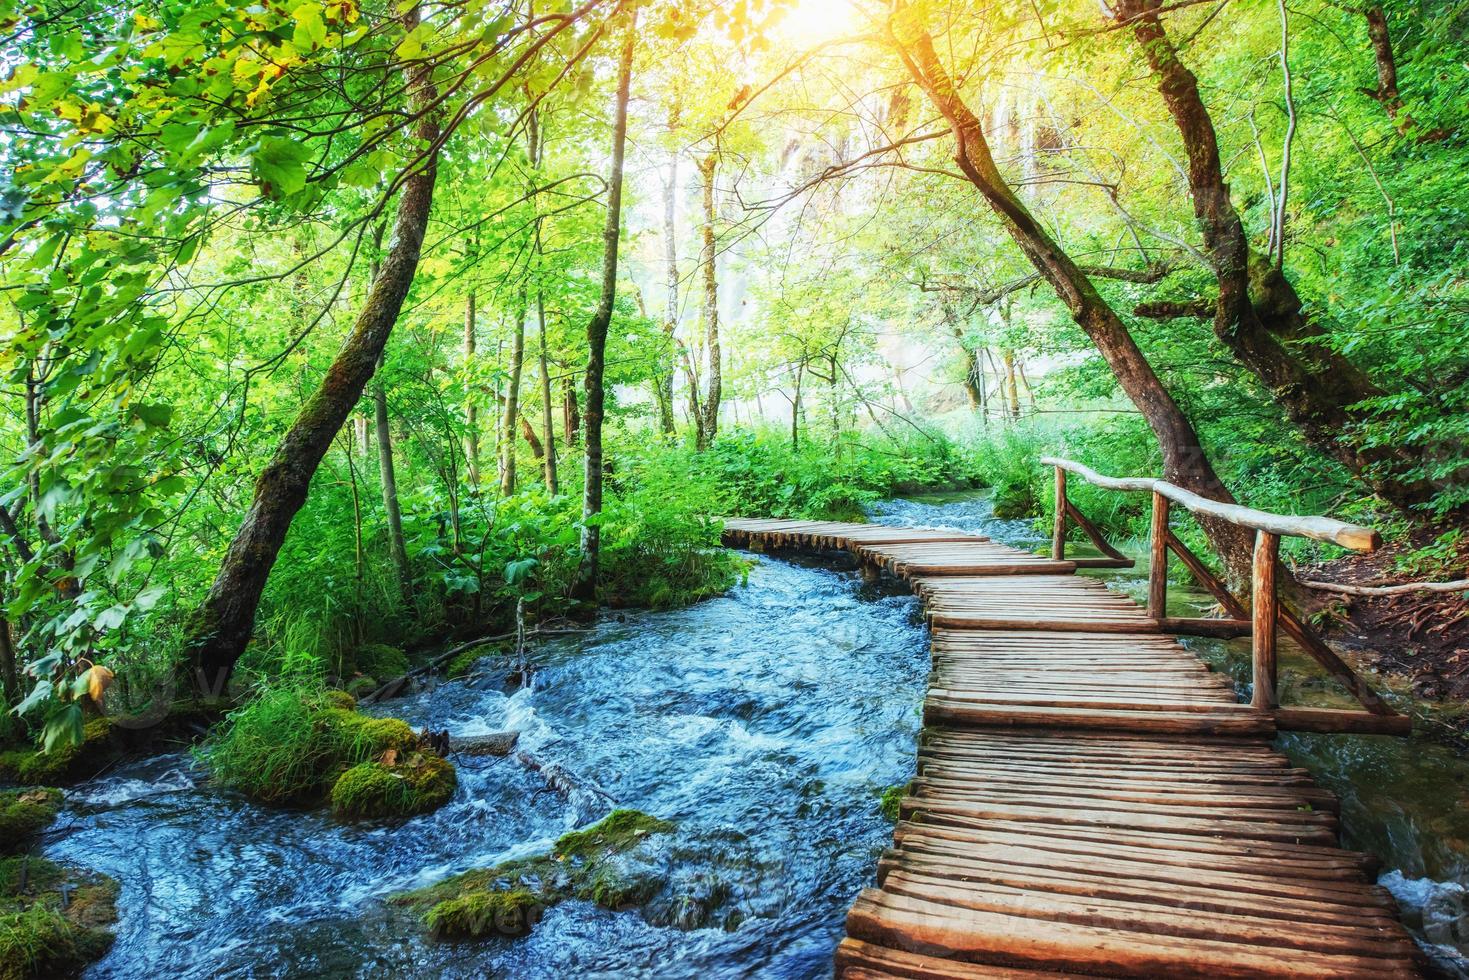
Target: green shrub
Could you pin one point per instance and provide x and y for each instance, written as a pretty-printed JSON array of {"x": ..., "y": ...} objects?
[
  {"x": 381, "y": 661},
  {"x": 373, "y": 789}
]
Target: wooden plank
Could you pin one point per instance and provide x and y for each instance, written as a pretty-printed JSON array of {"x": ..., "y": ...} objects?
[
  {"x": 972, "y": 935},
  {"x": 1331, "y": 720},
  {"x": 1090, "y": 798}
]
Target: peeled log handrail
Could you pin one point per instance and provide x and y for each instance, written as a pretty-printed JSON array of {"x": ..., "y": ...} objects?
[{"x": 1319, "y": 528}]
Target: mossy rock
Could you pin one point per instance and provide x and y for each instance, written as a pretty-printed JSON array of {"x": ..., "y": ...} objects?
[
  {"x": 38, "y": 938},
  {"x": 345, "y": 700},
  {"x": 291, "y": 747},
  {"x": 620, "y": 830},
  {"x": 68, "y": 763},
  {"x": 891, "y": 802},
  {"x": 513, "y": 913},
  {"x": 380, "y": 660},
  {"x": 24, "y": 812},
  {"x": 372, "y": 789},
  {"x": 593, "y": 865}
]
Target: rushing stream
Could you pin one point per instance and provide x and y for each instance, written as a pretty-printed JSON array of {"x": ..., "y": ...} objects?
[{"x": 764, "y": 723}]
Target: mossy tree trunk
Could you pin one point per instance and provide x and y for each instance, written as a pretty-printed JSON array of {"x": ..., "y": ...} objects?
[
  {"x": 221, "y": 627},
  {"x": 1258, "y": 315}
]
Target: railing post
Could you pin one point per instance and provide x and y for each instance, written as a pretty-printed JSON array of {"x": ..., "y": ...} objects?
[
  {"x": 1158, "y": 561},
  {"x": 1058, "y": 531},
  {"x": 1265, "y": 611}
]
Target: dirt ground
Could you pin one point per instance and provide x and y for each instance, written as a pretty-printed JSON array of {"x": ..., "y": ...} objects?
[{"x": 1420, "y": 635}]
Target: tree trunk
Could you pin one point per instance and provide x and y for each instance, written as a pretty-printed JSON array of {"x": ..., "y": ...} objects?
[
  {"x": 710, "y": 429},
  {"x": 9, "y": 672},
  {"x": 796, "y": 408},
  {"x": 663, "y": 375},
  {"x": 1184, "y": 462},
  {"x": 512, "y": 401},
  {"x": 548, "y": 428},
  {"x": 534, "y": 441},
  {"x": 585, "y": 585},
  {"x": 570, "y": 412},
  {"x": 221, "y": 627},
  {"x": 1259, "y": 316},
  {"x": 1012, "y": 394},
  {"x": 388, "y": 472},
  {"x": 471, "y": 410},
  {"x": 1387, "y": 65}
]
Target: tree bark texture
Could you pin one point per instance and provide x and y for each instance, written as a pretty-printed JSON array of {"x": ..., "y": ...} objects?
[{"x": 708, "y": 168}]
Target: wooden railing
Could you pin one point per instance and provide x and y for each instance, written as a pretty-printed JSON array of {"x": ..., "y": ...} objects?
[{"x": 1266, "y": 615}]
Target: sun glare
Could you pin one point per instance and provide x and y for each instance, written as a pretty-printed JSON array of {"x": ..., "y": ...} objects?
[{"x": 805, "y": 21}]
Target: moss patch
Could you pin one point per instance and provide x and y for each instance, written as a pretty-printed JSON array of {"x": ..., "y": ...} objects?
[
  {"x": 67, "y": 764},
  {"x": 44, "y": 935},
  {"x": 480, "y": 914},
  {"x": 380, "y": 660},
  {"x": 26, "y": 812},
  {"x": 372, "y": 789},
  {"x": 291, "y": 746},
  {"x": 891, "y": 802},
  {"x": 594, "y": 865}
]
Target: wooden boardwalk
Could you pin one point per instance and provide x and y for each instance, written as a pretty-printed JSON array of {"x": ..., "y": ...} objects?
[{"x": 1091, "y": 800}]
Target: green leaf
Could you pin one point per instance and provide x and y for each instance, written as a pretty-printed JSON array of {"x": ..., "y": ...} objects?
[
  {"x": 280, "y": 166},
  {"x": 63, "y": 728},
  {"x": 39, "y": 695}
]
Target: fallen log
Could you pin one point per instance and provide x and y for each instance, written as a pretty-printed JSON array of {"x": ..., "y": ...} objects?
[{"x": 495, "y": 743}]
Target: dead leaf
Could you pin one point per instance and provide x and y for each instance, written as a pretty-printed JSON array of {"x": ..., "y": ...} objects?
[{"x": 99, "y": 679}]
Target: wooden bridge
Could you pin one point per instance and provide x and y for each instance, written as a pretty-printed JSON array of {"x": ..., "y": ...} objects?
[{"x": 1091, "y": 800}]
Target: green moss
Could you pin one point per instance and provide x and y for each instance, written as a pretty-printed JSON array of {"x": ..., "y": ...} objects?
[
  {"x": 345, "y": 700},
  {"x": 68, "y": 763},
  {"x": 38, "y": 938},
  {"x": 26, "y": 812},
  {"x": 371, "y": 789},
  {"x": 290, "y": 745},
  {"x": 891, "y": 802},
  {"x": 621, "y": 830},
  {"x": 592, "y": 865},
  {"x": 480, "y": 914},
  {"x": 380, "y": 660}
]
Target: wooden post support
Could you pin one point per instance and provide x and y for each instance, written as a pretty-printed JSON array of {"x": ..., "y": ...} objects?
[
  {"x": 1158, "y": 562},
  {"x": 1265, "y": 611},
  {"x": 1058, "y": 531}
]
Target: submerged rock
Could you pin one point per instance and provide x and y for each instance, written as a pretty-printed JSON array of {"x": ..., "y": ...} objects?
[
  {"x": 597, "y": 864},
  {"x": 420, "y": 784},
  {"x": 52, "y": 918}
]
